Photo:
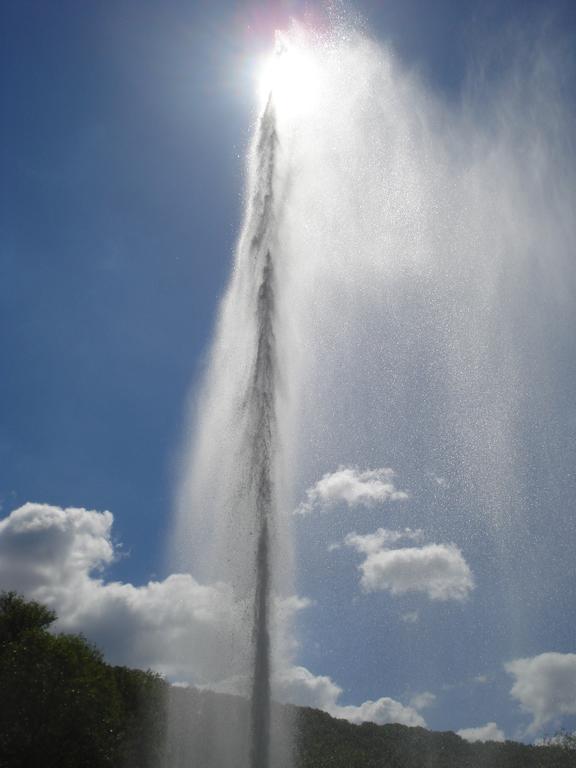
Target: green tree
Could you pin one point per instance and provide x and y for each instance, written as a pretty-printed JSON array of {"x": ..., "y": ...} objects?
[
  {"x": 18, "y": 616},
  {"x": 60, "y": 704},
  {"x": 143, "y": 696}
]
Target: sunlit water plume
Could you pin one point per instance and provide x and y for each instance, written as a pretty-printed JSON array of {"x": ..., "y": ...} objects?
[{"x": 401, "y": 254}]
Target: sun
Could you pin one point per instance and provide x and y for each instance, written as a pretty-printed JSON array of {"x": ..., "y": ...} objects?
[{"x": 289, "y": 76}]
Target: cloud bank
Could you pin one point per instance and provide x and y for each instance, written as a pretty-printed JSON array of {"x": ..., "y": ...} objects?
[
  {"x": 545, "y": 686},
  {"x": 437, "y": 570},
  {"x": 55, "y": 556},
  {"x": 352, "y": 487}
]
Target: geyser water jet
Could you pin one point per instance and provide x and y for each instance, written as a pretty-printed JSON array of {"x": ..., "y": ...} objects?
[
  {"x": 244, "y": 535},
  {"x": 261, "y": 436}
]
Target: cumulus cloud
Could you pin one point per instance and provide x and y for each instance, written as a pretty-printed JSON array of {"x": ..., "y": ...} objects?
[
  {"x": 488, "y": 732},
  {"x": 297, "y": 685},
  {"x": 349, "y": 485},
  {"x": 545, "y": 686},
  {"x": 184, "y": 629},
  {"x": 56, "y": 555},
  {"x": 44, "y": 545},
  {"x": 438, "y": 570}
]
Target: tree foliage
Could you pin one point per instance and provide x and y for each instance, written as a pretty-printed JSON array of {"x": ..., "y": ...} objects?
[
  {"x": 18, "y": 617},
  {"x": 329, "y": 743},
  {"x": 62, "y": 705},
  {"x": 563, "y": 739}
]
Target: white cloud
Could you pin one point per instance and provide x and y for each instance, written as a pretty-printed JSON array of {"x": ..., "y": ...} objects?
[
  {"x": 353, "y": 487},
  {"x": 384, "y": 710},
  {"x": 297, "y": 685},
  {"x": 438, "y": 570},
  {"x": 412, "y": 617},
  {"x": 545, "y": 686},
  {"x": 488, "y": 732},
  {"x": 422, "y": 700},
  {"x": 41, "y": 544},
  {"x": 178, "y": 626}
]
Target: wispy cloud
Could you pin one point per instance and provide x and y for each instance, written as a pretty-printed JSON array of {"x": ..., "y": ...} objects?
[
  {"x": 439, "y": 481},
  {"x": 353, "y": 487},
  {"x": 381, "y": 539}
]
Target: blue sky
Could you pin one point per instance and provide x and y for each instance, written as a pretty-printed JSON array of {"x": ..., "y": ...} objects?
[{"x": 123, "y": 140}]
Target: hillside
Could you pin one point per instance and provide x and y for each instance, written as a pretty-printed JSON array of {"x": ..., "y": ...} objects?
[
  {"x": 323, "y": 741},
  {"x": 63, "y": 706},
  {"x": 329, "y": 743}
]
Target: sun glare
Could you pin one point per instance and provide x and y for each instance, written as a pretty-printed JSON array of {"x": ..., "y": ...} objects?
[{"x": 289, "y": 76}]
